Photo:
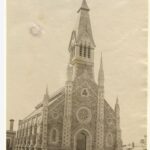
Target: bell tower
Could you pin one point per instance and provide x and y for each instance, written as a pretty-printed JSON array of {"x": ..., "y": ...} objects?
[{"x": 81, "y": 46}]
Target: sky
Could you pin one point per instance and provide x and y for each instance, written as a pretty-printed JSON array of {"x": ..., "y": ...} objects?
[{"x": 38, "y": 35}]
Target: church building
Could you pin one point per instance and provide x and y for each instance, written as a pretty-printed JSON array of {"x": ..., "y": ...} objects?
[{"x": 77, "y": 117}]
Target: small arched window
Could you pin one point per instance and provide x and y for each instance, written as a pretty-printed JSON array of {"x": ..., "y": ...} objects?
[
  {"x": 85, "y": 51},
  {"x": 109, "y": 139},
  {"x": 81, "y": 50},
  {"x": 8, "y": 143},
  {"x": 30, "y": 130},
  {"x": 54, "y": 136},
  {"x": 35, "y": 129},
  {"x": 89, "y": 52}
]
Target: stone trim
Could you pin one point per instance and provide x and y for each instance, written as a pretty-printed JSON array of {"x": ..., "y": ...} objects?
[
  {"x": 109, "y": 136},
  {"x": 88, "y": 119}
]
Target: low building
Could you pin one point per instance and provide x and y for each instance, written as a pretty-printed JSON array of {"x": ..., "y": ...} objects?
[{"x": 10, "y": 136}]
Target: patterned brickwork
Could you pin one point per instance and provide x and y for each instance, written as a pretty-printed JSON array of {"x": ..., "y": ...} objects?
[
  {"x": 45, "y": 122},
  {"x": 118, "y": 132},
  {"x": 67, "y": 116},
  {"x": 100, "y": 110}
]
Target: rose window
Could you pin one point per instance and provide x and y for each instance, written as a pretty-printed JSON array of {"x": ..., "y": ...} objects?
[
  {"x": 84, "y": 115},
  {"x": 55, "y": 115}
]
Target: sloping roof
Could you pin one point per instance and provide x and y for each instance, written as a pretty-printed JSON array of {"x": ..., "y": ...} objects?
[
  {"x": 55, "y": 97},
  {"x": 109, "y": 107},
  {"x": 52, "y": 99},
  {"x": 35, "y": 112}
]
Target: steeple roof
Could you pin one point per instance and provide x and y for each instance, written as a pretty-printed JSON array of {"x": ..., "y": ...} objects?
[{"x": 83, "y": 31}]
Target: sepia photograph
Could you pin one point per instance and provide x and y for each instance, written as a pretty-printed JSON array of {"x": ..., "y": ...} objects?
[{"x": 76, "y": 75}]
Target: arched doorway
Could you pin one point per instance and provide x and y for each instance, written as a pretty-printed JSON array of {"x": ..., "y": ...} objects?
[{"x": 82, "y": 140}]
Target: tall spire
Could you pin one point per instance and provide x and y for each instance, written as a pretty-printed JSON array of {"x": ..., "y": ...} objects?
[
  {"x": 81, "y": 46},
  {"x": 101, "y": 73},
  {"x": 83, "y": 26},
  {"x": 84, "y": 6}
]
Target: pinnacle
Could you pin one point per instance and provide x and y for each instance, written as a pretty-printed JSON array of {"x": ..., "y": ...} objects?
[
  {"x": 117, "y": 100},
  {"x": 84, "y": 6},
  {"x": 101, "y": 64},
  {"x": 46, "y": 97},
  {"x": 117, "y": 103},
  {"x": 47, "y": 90},
  {"x": 101, "y": 72}
]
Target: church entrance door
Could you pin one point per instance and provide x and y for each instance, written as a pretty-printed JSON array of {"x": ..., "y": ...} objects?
[{"x": 81, "y": 141}]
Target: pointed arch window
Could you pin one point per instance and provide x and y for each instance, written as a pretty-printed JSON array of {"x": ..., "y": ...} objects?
[
  {"x": 35, "y": 129},
  {"x": 81, "y": 50},
  {"x": 8, "y": 143},
  {"x": 84, "y": 50},
  {"x": 89, "y": 51},
  {"x": 54, "y": 136},
  {"x": 109, "y": 140}
]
